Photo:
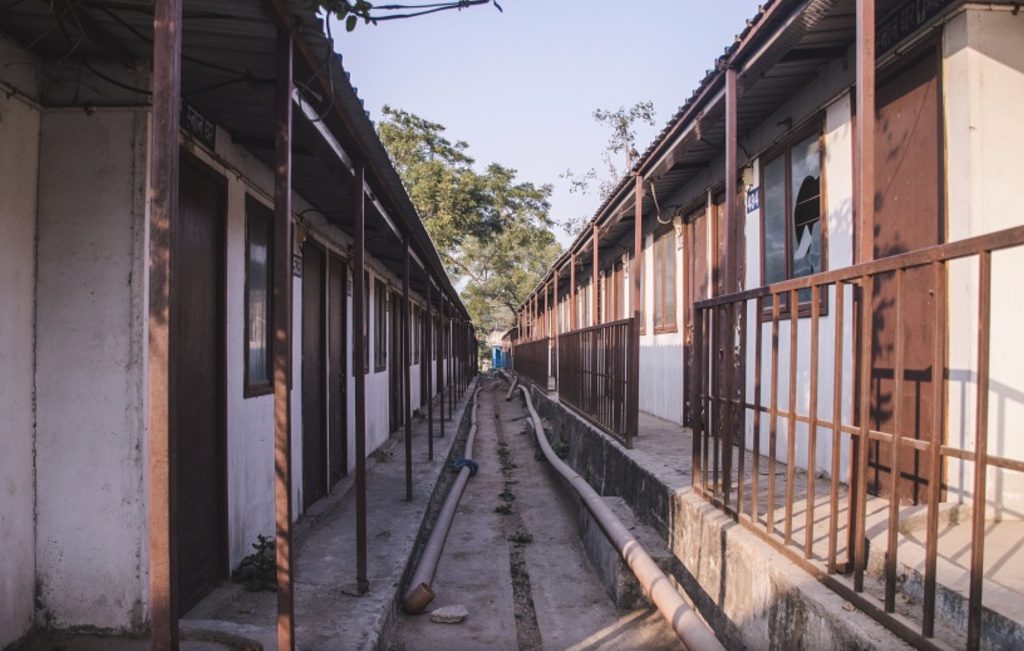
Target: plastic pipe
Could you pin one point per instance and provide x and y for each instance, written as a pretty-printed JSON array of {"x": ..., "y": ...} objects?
[
  {"x": 419, "y": 594},
  {"x": 690, "y": 628}
]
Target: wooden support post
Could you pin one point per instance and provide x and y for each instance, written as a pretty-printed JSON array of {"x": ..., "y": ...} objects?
[
  {"x": 163, "y": 227},
  {"x": 359, "y": 306},
  {"x": 283, "y": 343},
  {"x": 406, "y": 371},
  {"x": 428, "y": 348}
]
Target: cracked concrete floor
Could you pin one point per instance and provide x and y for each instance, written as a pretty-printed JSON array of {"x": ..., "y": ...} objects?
[{"x": 541, "y": 594}]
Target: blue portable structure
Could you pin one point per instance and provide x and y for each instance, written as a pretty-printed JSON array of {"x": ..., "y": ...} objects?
[{"x": 497, "y": 357}]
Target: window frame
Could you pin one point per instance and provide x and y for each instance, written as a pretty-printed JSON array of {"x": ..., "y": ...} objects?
[
  {"x": 784, "y": 151},
  {"x": 368, "y": 302},
  {"x": 380, "y": 326},
  {"x": 256, "y": 209},
  {"x": 665, "y": 239}
]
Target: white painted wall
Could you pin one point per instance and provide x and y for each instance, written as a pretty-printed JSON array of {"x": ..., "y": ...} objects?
[
  {"x": 90, "y": 372},
  {"x": 983, "y": 81},
  {"x": 662, "y": 373},
  {"x": 838, "y": 179},
  {"x": 19, "y": 169}
]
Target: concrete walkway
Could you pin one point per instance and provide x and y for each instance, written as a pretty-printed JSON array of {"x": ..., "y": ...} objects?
[{"x": 329, "y": 615}]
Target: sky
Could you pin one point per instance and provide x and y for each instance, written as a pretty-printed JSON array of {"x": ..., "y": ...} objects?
[{"x": 520, "y": 85}]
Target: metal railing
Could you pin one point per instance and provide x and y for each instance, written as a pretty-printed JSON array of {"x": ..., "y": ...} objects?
[
  {"x": 530, "y": 359},
  {"x": 891, "y": 432},
  {"x": 599, "y": 376}
]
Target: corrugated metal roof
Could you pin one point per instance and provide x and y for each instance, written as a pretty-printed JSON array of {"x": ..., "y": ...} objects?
[{"x": 228, "y": 61}]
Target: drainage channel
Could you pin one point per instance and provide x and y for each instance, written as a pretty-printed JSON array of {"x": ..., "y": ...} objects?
[{"x": 514, "y": 560}]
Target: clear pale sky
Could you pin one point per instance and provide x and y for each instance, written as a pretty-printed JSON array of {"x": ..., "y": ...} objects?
[{"x": 520, "y": 85}]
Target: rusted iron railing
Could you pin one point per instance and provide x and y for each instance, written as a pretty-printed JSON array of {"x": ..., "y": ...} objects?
[
  {"x": 530, "y": 359},
  {"x": 876, "y": 451},
  {"x": 597, "y": 379}
]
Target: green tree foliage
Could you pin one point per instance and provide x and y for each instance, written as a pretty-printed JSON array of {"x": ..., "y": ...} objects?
[
  {"x": 493, "y": 231},
  {"x": 621, "y": 124}
]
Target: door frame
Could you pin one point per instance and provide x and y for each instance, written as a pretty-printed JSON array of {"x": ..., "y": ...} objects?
[{"x": 191, "y": 158}]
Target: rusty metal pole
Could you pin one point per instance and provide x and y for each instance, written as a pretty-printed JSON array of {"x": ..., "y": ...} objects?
[
  {"x": 428, "y": 348},
  {"x": 163, "y": 227},
  {"x": 406, "y": 371},
  {"x": 864, "y": 147},
  {"x": 595, "y": 318},
  {"x": 727, "y": 329},
  {"x": 572, "y": 292},
  {"x": 283, "y": 343},
  {"x": 864, "y": 216},
  {"x": 359, "y": 307},
  {"x": 633, "y": 382},
  {"x": 555, "y": 315}
]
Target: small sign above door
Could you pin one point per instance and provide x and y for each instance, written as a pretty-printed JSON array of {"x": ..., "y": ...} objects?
[{"x": 198, "y": 125}]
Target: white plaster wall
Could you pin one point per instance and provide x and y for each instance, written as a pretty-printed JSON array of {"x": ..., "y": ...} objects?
[
  {"x": 661, "y": 355},
  {"x": 983, "y": 83},
  {"x": 19, "y": 168},
  {"x": 838, "y": 179},
  {"x": 90, "y": 373}
]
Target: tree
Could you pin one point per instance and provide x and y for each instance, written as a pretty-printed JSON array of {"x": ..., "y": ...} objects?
[
  {"x": 492, "y": 231},
  {"x": 621, "y": 141}
]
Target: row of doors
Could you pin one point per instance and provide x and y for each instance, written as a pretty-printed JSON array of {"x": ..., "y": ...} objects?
[
  {"x": 198, "y": 385},
  {"x": 909, "y": 215}
]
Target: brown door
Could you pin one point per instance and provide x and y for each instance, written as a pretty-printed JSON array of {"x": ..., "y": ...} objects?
[
  {"x": 909, "y": 216},
  {"x": 314, "y": 439},
  {"x": 336, "y": 336},
  {"x": 197, "y": 384},
  {"x": 696, "y": 285},
  {"x": 395, "y": 378}
]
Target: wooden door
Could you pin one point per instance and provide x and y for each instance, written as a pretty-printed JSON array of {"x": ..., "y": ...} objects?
[
  {"x": 396, "y": 385},
  {"x": 696, "y": 287},
  {"x": 337, "y": 386},
  {"x": 314, "y": 395},
  {"x": 909, "y": 215},
  {"x": 197, "y": 384}
]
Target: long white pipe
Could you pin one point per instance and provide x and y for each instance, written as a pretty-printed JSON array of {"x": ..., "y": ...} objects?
[
  {"x": 420, "y": 593},
  {"x": 690, "y": 629}
]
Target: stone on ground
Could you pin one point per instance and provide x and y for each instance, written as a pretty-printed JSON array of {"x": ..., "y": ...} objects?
[{"x": 449, "y": 615}]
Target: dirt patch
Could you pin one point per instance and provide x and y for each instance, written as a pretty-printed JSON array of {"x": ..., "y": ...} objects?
[{"x": 518, "y": 536}]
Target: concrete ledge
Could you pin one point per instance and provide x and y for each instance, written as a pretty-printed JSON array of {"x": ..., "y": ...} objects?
[
  {"x": 619, "y": 581},
  {"x": 751, "y": 595}
]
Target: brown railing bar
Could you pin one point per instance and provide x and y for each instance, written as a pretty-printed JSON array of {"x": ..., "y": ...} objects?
[
  {"x": 837, "y": 419},
  {"x": 935, "y": 454},
  {"x": 697, "y": 393},
  {"x": 716, "y": 385},
  {"x": 726, "y": 432},
  {"x": 1010, "y": 237},
  {"x": 894, "y": 456},
  {"x": 859, "y": 458},
  {"x": 707, "y": 376},
  {"x": 742, "y": 447},
  {"x": 812, "y": 432},
  {"x": 794, "y": 314},
  {"x": 774, "y": 418},
  {"x": 756, "y": 453},
  {"x": 980, "y": 452}
]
